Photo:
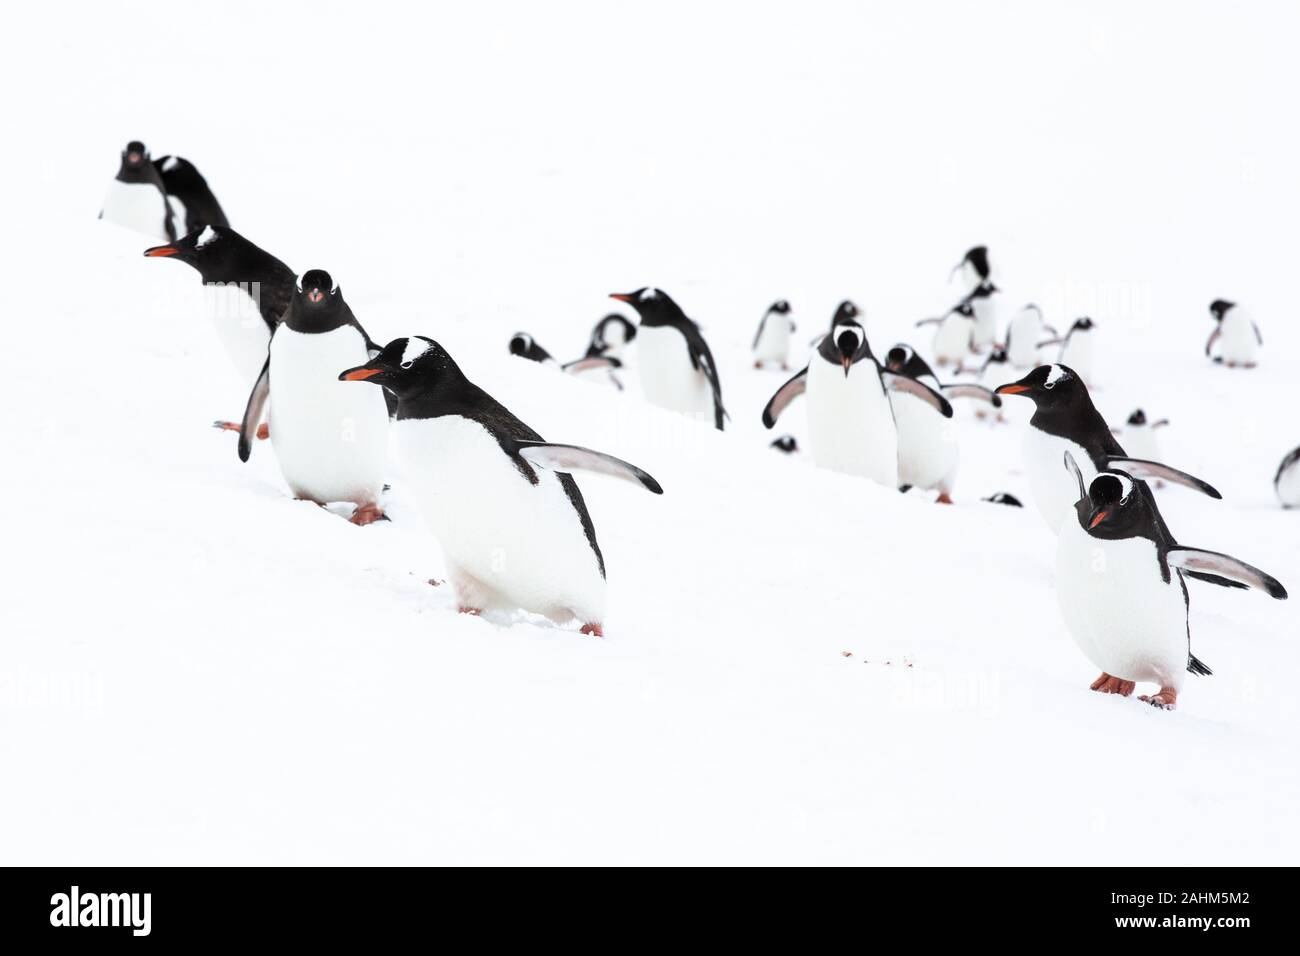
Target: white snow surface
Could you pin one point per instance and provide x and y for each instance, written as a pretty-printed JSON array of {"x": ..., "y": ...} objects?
[{"x": 799, "y": 667}]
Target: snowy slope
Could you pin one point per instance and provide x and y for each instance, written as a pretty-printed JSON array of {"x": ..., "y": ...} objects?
[{"x": 799, "y": 666}]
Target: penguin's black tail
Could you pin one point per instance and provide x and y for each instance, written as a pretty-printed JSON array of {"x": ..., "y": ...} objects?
[{"x": 1197, "y": 667}]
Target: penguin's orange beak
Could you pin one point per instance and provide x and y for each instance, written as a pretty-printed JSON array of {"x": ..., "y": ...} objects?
[
  {"x": 1010, "y": 389},
  {"x": 621, "y": 296},
  {"x": 161, "y": 251},
  {"x": 1098, "y": 519},
  {"x": 359, "y": 374}
]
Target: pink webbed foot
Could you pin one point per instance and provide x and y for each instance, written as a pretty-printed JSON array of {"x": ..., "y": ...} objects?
[
  {"x": 594, "y": 630},
  {"x": 471, "y": 611},
  {"x": 1105, "y": 684},
  {"x": 367, "y": 514},
  {"x": 1166, "y": 699}
]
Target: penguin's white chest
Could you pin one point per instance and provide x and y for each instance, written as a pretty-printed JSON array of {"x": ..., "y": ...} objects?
[
  {"x": 1076, "y": 353},
  {"x": 952, "y": 339},
  {"x": 773, "y": 343},
  {"x": 667, "y": 377},
  {"x": 138, "y": 206},
  {"x": 238, "y": 323},
  {"x": 523, "y": 544},
  {"x": 1125, "y": 618},
  {"x": 1237, "y": 341},
  {"x": 1054, "y": 487},
  {"x": 1023, "y": 336},
  {"x": 850, "y": 421},
  {"x": 985, "y": 329},
  {"x": 330, "y": 437},
  {"x": 927, "y": 443},
  {"x": 1140, "y": 442}
]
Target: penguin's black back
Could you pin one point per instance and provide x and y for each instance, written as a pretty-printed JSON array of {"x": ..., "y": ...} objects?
[{"x": 182, "y": 179}]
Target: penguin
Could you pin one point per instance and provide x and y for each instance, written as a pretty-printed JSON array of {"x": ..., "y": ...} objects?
[
  {"x": 677, "y": 369},
  {"x": 927, "y": 443},
  {"x": 330, "y": 439},
  {"x": 1121, "y": 589},
  {"x": 1076, "y": 348},
  {"x": 1286, "y": 483},
  {"x": 1003, "y": 498},
  {"x": 785, "y": 444},
  {"x": 245, "y": 289},
  {"x": 1239, "y": 334},
  {"x": 953, "y": 335},
  {"x": 1024, "y": 332},
  {"x": 1140, "y": 436},
  {"x": 993, "y": 372},
  {"x": 525, "y": 346},
  {"x": 974, "y": 267},
  {"x": 136, "y": 197},
  {"x": 851, "y": 425},
  {"x": 984, "y": 304},
  {"x": 1065, "y": 419},
  {"x": 772, "y": 340},
  {"x": 501, "y": 501},
  {"x": 610, "y": 337},
  {"x": 192, "y": 201}
]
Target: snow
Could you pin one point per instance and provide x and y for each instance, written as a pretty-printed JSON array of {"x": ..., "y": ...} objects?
[{"x": 799, "y": 666}]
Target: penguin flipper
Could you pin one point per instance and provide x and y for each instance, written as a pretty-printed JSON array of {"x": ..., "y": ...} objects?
[
  {"x": 1215, "y": 579},
  {"x": 1141, "y": 468},
  {"x": 1073, "y": 466},
  {"x": 786, "y": 394},
  {"x": 1259, "y": 339},
  {"x": 590, "y": 362},
  {"x": 253, "y": 411},
  {"x": 977, "y": 392},
  {"x": 1210, "y": 341},
  {"x": 569, "y": 458},
  {"x": 1222, "y": 565},
  {"x": 903, "y": 383},
  {"x": 702, "y": 361}
]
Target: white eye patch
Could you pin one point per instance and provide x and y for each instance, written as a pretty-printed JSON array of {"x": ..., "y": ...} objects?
[
  {"x": 648, "y": 294},
  {"x": 414, "y": 349},
  {"x": 210, "y": 235},
  {"x": 1057, "y": 374}
]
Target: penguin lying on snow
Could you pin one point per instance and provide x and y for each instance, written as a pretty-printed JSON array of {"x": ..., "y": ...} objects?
[
  {"x": 525, "y": 346},
  {"x": 192, "y": 201},
  {"x": 331, "y": 440},
  {"x": 1003, "y": 498},
  {"x": 1119, "y": 582},
  {"x": 1064, "y": 420},
  {"x": 676, "y": 366},
  {"x": 772, "y": 340},
  {"x": 927, "y": 446},
  {"x": 136, "y": 197},
  {"x": 1240, "y": 335},
  {"x": 500, "y": 500},
  {"x": 850, "y": 420},
  {"x": 1286, "y": 483}
]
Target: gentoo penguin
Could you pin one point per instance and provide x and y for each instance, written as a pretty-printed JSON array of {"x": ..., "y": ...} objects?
[
  {"x": 1065, "y": 419},
  {"x": 677, "y": 370},
  {"x": 983, "y": 301},
  {"x": 1286, "y": 483},
  {"x": 192, "y": 201},
  {"x": 927, "y": 442},
  {"x": 610, "y": 336},
  {"x": 245, "y": 290},
  {"x": 786, "y": 444},
  {"x": 1076, "y": 348},
  {"x": 331, "y": 439},
  {"x": 1140, "y": 436},
  {"x": 525, "y": 346},
  {"x": 1024, "y": 332},
  {"x": 993, "y": 372},
  {"x": 1238, "y": 334},
  {"x": 974, "y": 268},
  {"x": 952, "y": 335},
  {"x": 772, "y": 340},
  {"x": 1004, "y": 498},
  {"x": 850, "y": 420},
  {"x": 136, "y": 197},
  {"x": 500, "y": 500},
  {"x": 1120, "y": 585}
]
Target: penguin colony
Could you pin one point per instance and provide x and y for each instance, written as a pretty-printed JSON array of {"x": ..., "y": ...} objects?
[{"x": 328, "y": 400}]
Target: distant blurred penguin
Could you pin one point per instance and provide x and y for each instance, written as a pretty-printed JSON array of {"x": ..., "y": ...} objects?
[
  {"x": 1237, "y": 334},
  {"x": 525, "y": 346},
  {"x": 1287, "y": 480},
  {"x": 786, "y": 444},
  {"x": 1026, "y": 330},
  {"x": 984, "y": 303},
  {"x": 610, "y": 337},
  {"x": 992, "y": 374},
  {"x": 1004, "y": 498},
  {"x": 1076, "y": 349},
  {"x": 192, "y": 201},
  {"x": 952, "y": 335},
  {"x": 974, "y": 268},
  {"x": 772, "y": 341},
  {"x": 1139, "y": 436},
  {"x": 136, "y": 197}
]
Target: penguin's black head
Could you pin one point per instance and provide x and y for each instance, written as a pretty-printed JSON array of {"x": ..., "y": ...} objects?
[
  {"x": 1083, "y": 324},
  {"x": 1138, "y": 417},
  {"x": 612, "y": 331},
  {"x": 966, "y": 310},
  {"x": 195, "y": 247},
  {"x": 316, "y": 289},
  {"x": 787, "y": 444},
  {"x": 780, "y": 307},
  {"x": 997, "y": 357},
  {"x": 846, "y": 344},
  {"x": 1219, "y": 308},
  {"x": 902, "y": 359},
  {"x": 653, "y": 305},
  {"x": 1113, "y": 507},
  {"x": 405, "y": 365},
  {"x": 520, "y": 344},
  {"x": 978, "y": 258},
  {"x": 1048, "y": 386},
  {"x": 1004, "y": 498},
  {"x": 845, "y": 312},
  {"x": 134, "y": 155}
]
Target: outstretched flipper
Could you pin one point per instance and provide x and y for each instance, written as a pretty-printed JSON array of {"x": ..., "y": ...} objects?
[
  {"x": 253, "y": 411},
  {"x": 977, "y": 392},
  {"x": 569, "y": 458},
  {"x": 1222, "y": 565},
  {"x": 1141, "y": 468},
  {"x": 786, "y": 394},
  {"x": 1210, "y": 341},
  {"x": 903, "y": 383},
  {"x": 590, "y": 362},
  {"x": 1258, "y": 337},
  {"x": 1043, "y": 345}
]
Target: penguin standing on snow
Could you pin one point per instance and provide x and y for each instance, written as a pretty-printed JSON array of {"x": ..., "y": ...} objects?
[
  {"x": 1076, "y": 348},
  {"x": 1238, "y": 335},
  {"x": 610, "y": 336},
  {"x": 1140, "y": 436},
  {"x": 1286, "y": 483},
  {"x": 983, "y": 301},
  {"x": 192, "y": 201},
  {"x": 953, "y": 334},
  {"x": 1065, "y": 419},
  {"x": 851, "y": 425},
  {"x": 501, "y": 501},
  {"x": 525, "y": 346},
  {"x": 136, "y": 197},
  {"x": 1120, "y": 585},
  {"x": 676, "y": 367},
  {"x": 927, "y": 443},
  {"x": 1024, "y": 332},
  {"x": 772, "y": 341},
  {"x": 330, "y": 439},
  {"x": 991, "y": 374}
]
